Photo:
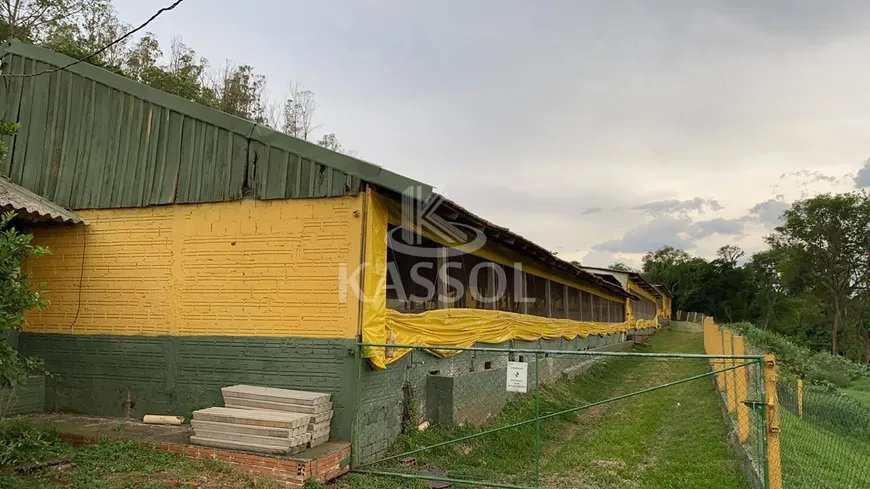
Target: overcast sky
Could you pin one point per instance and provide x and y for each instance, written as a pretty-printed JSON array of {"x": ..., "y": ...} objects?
[{"x": 599, "y": 130}]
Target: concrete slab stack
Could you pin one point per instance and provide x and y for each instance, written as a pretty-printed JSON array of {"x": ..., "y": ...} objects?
[
  {"x": 315, "y": 406},
  {"x": 271, "y": 432}
]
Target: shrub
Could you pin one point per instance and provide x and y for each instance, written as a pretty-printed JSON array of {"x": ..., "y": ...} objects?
[
  {"x": 22, "y": 443},
  {"x": 819, "y": 368}
]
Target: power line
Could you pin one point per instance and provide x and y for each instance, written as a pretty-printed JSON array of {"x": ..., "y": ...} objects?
[{"x": 102, "y": 49}]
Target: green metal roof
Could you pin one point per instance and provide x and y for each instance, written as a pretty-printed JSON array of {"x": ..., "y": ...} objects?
[{"x": 94, "y": 139}]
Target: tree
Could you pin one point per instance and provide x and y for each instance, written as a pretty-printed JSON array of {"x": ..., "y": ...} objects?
[
  {"x": 94, "y": 26},
  {"x": 621, "y": 266},
  {"x": 237, "y": 90},
  {"x": 299, "y": 108},
  {"x": 34, "y": 20},
  {"x": 182, "y": 76},
  {"x": 825, "y": 238},
  {"x": 330, "y": 141},
  {"x": 16, "y": 296}
]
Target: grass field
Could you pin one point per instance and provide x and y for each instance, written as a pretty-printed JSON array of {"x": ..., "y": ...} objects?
[
  {"x": 669, "y": 438},
  {"x": 859, "y": 390},
  {"x": 814, "y": 458}
]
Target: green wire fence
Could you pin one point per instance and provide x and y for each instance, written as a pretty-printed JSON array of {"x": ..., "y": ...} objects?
[{"x": 497, "y": 417}]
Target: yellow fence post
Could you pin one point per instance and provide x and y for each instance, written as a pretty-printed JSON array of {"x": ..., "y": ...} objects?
[
  {"x": 730, "y": 394},
  {"x": 774, "y": 467},
  {"x": 800, "y": 398},
  {"x": 741, "y": 377},
  {"x": 716, "y": 349}
]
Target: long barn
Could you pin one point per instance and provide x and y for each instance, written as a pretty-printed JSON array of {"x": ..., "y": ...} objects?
[{"x": 213, "y": 251}]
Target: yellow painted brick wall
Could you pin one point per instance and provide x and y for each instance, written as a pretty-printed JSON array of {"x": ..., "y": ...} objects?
[{"x": 243, "y": 268}]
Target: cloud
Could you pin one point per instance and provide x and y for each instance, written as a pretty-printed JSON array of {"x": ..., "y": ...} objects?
[
  {"x": 598, "y": 258},
  {"x": 592, "y": 210},
  {"x": 805, "y": 177},
  {"x": 769, "y": 212},
  {"x": 679, "y": 232},
  {"x": 862, "y": 179},
  {"x": 674, "y": 206},
  {"x": 703, "y": 229},
  {"x": 652, "y": 235}
]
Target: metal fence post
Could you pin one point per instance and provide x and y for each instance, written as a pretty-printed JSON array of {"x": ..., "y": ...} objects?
[
  {"x": 730, "y": 394},
  {"x": 800, "y": 398},
  {"x": 537, "y": 422},
  {"x": 742, "y": 380},
  {"x": 774, "y": 467}
]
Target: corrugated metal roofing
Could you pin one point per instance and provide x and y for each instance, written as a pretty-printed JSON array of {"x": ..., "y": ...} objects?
[
  {"x": 30, "y": 206},
  {"x": 93, "y": 139},
  {"x": 453, "y": 211}
]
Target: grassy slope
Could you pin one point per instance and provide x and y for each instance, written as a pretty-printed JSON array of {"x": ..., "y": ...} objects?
[
  {"x": 671, "y": 438},
  {"x": 814, "y": 458},
  {"x": 859, "y": 390}
]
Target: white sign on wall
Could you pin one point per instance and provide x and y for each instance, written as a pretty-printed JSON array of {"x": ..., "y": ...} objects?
[{"x": 517, "y": 377}]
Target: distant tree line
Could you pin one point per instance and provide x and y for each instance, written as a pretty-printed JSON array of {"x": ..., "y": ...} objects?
[
  {"x": 812, "y": 284},
  {"x": 77, "y": 28}
]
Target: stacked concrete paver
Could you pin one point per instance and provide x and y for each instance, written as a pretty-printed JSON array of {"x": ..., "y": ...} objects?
[
  {"x": 314, "y": 405},
  {"x": 278, "y": 433}
]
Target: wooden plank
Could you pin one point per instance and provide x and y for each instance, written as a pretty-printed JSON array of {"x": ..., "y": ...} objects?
[
  {"x": 153, "y": 136},
  {"x": 128, "y": 154},
  {"x": 303, "y": 184},
  {"x": 206, "y": 191},
  {"x": 170, "y": 160},
  {"x": 223, "y": 146},
  {"x": 185, "y": 165},
  {"x": 24, "y": 171},
  {"x": 276, "y": 173},
  {"x": 238, "y": 166},
  {"x": 137, "y": 157},
  {"x": 73, "y": 122},
  {"x": 115, "y": 131},
  {"x": 12, "y": 96},
  {"x": 320, "y": 182},
  {"x": 83, "y": 155},
  {"x": 55, "y": 138}
]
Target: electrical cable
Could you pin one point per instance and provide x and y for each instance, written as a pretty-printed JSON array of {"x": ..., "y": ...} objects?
[{"x": 101, "y": 50}]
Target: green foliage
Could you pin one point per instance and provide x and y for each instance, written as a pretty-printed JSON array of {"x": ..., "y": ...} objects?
[
  {"x": 820, "y": 368},
  {"x": 812, "y": 285},
  {"x": 109, "y": 464},
  {"x": 621, "y": 266},
  {"x": 312, "y": 484},
  {"x": 16, "y": 297},
  {"x": 21, "y": 443}
]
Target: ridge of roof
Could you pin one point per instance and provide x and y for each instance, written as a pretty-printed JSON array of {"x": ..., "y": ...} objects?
[{"x": 365, "y": 170}]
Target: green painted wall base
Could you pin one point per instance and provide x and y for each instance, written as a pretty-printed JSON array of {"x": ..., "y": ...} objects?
[
  {"x": 108, "y": 375},
  {"x": 27, "y": 399}
]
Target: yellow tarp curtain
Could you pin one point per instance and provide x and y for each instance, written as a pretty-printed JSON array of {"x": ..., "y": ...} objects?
[{"x": 448, "y": 327}]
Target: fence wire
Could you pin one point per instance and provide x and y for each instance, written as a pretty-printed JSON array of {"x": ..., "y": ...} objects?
[
  {"x": 557, "y": 419},
  {"x": 825, "y": 438}
]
